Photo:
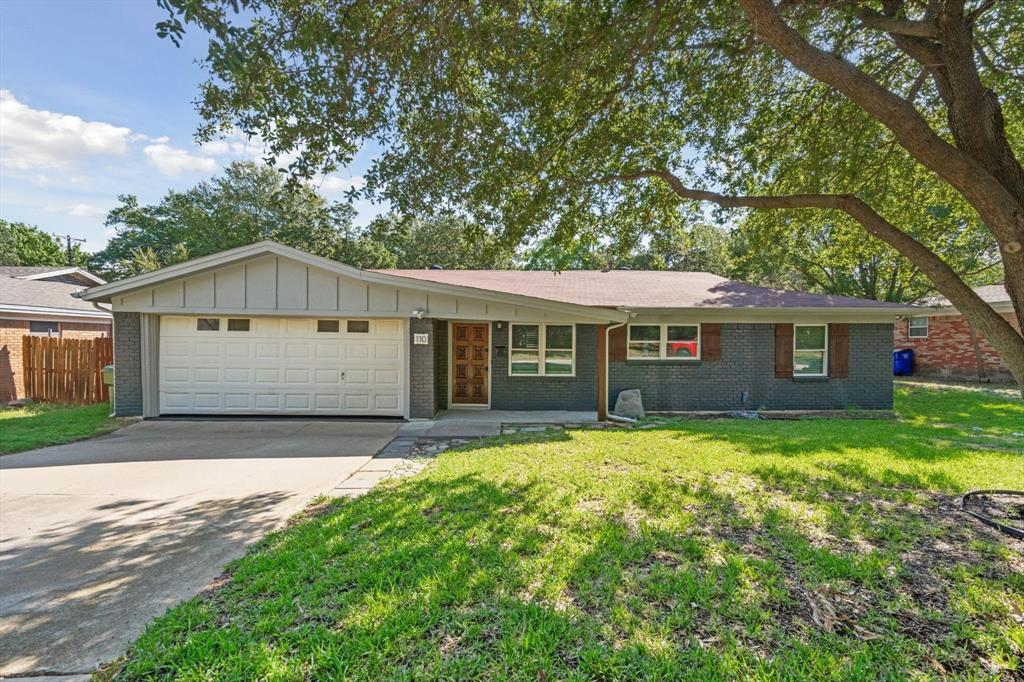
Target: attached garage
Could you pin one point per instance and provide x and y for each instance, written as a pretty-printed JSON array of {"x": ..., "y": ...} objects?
[{"x": 281, "y": 365}]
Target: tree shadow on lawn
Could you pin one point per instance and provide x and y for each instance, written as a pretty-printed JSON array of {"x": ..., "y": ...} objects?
[{"x": 471, "y": 570}]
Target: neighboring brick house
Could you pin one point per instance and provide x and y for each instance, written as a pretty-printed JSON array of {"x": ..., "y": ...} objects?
[
  {"x": 40, "y": 301},
  {"x": 944, "y": 344},
  {"x": 267, "y": 329}
]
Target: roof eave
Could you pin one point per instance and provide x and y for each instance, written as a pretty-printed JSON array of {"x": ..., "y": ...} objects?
[{"x": 106, "y": 292}]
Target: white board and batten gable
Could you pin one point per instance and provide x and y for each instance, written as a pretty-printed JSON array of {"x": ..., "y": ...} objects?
[{"x": 274, "y": 284}]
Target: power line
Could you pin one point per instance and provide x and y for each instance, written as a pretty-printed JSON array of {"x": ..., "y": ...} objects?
[{"x": 68, "y": 239}]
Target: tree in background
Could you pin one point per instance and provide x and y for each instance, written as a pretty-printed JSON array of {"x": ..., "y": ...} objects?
[
  {"x": 249, "y": 202},
  {"x": 449, "y": 241},
  {"x": 22, "y": 244},
  {"x": 546, "y": 118}
]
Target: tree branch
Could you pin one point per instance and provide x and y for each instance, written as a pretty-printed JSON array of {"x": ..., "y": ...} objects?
[
  {"x": 906, "y": 27},
  {"x": 995, "y": 203},
  {"x": 991, "y": 323}
]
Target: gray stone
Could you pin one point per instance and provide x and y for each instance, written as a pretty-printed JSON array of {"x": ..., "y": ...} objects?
[{"x": 630, "y": 404}]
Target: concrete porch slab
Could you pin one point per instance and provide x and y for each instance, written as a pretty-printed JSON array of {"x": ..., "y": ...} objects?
[{"x": 485, "y": 423}]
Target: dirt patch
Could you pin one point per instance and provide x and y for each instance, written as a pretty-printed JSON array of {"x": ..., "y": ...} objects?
[{"x": 1006, "y": 508}]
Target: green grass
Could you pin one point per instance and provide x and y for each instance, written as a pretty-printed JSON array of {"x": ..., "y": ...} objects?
[
  {"x": 689, "y": 550},
  {"x": 41, "y": 424}
]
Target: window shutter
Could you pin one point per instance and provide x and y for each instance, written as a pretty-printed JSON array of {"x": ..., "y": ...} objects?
[
  {"x": 839, "y": 351},
  {"x": 783, "y": 351},
  {"x": 711, "y": 341},
  {"x": 617, "y": 344}
]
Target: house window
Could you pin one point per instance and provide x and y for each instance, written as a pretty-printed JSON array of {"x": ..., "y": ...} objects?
[
  {"x": 542, "y": 349},
  {"x": 358, "y": 326},
  {"x": 664, "y": 342},
  {"x": 917, "y": 328},
  {"x": 208, "y": 324},
  {"x": 810, "y": 350},
  {"x": 38, "y": 328},
  {"x": 328, "y": 325},
  {"x": 236, "y": 324}
]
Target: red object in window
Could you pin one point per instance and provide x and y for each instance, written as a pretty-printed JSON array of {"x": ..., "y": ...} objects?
[{"x": 682, "y": 349}]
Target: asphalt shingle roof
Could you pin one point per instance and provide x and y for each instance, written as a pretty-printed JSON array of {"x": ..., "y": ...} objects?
[
  {"x": 635, "y": 289},
  {"x": 42, "y": 294}
]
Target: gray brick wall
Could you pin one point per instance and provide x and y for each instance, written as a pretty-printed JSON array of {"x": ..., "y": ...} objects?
[
  {"x": 422, "y": 401},
  {"x": 440, "y": 345},
  {"x": 546, "y": 392},
  {"x": 748, "y": 365},
  {"x": 127, "y": 364}
]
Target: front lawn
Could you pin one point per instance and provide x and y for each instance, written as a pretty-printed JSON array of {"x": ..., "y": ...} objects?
[
  {"x": 695, "y": 549},
  {"x": 41, "y": 424}
]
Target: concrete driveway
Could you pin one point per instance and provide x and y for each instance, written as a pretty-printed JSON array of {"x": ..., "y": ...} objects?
[{"x": 99, "y": 537}]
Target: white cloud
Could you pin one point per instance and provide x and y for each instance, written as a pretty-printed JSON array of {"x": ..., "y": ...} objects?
[
  {"x": 171, "y": 161},
  {"x": 86, "y": 211},
  {"x": 35, "y": 138},
  {"x": 335, "y": 184}
]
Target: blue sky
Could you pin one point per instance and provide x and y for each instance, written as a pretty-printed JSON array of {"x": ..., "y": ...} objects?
[{"x": 93, "y": 105}]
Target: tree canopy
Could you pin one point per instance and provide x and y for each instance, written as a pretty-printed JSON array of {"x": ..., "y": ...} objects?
[
  {"x": 570, "y": 118},
  {"x": 22, "y": 244},
  {"x": 249, "y": 202}
]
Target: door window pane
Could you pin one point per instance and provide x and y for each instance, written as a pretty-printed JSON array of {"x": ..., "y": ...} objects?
[
  {"x": 328, "y": 326},
  {"x": 238, "y": 324},
  {"x": 358, "y": 326},
  {"x": 208, "y": 324}
]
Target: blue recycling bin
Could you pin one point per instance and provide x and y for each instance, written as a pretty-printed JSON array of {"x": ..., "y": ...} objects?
[{"x": 903, "y": 362}]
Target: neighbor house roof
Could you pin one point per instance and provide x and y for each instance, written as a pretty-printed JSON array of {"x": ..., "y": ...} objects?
[
  {"x": 994, "y": 295},
  {"x": 36, "y": 297},
  {"x": 48, "y": 272},
  {"x": 638, "y": 289}
]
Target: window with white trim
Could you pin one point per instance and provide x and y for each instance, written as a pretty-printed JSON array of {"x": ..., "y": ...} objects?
[
  {"x": 917, "y": 327},
  {"x": 542, "y": 349},
  {"x": 663, "y": 342},
  {"x": 810, "y": 350}
]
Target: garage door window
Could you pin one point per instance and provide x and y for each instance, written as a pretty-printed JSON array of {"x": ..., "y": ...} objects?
[
  {"x": 207, "y": 324},
  {"x": 327, "y": 326},
  {"x": 358, "y": 327},
  {"x": 238, "y": 324}
]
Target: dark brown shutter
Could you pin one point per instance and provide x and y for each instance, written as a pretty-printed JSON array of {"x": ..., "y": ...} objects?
[
  {"x": 711, "y": 340},
  {"x": 783, "y": 351},
  {"x": 839, "y": 351},
  {"x": 617, "y": 344}
]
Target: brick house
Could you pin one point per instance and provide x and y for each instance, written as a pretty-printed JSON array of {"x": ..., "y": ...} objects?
[
  {"x": 268, "y": 329},
  {"x": 944, "y": 343},
  {"x": 40, "y": 301}
]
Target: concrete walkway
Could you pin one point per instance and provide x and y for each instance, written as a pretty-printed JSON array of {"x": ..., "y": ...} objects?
[
  {"x": 483, "y": 423},
  {"x": 99, "y": 537}
]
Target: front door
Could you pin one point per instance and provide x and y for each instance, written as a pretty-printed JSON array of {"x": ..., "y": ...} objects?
[{"x": 469, "y": 363}]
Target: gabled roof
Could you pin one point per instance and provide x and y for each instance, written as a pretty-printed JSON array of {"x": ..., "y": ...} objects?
[
  {"x": 105, "y": 292},
  {"x": 38, "y": 297},
  {"x": 990, "y": 293},
  {"x": 48, "y": 272},
  {"x": 640, "y": 289}
]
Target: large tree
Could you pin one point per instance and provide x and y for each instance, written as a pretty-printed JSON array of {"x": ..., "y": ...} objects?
[
  {"x": 564, "y": 117},
  {"x": 249, "y": 202},
  {"x": 448, "y": 241},
  {"x": 24, "y": 244}
]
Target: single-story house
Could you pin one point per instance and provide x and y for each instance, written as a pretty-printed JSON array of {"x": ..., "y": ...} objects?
[
  {"x": 40, "y": 301},
  {"x": 268, "y": 329},
  {"x": 945, "y": 344}
]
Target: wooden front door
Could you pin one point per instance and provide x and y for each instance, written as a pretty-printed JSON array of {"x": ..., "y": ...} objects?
[{"x": 469, "y": 363}]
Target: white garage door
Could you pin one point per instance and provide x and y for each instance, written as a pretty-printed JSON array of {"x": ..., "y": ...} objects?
[{"x": 268, "y": 365}]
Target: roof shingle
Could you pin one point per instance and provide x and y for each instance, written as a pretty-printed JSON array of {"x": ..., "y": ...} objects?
[{"x": 636, "y": 289}]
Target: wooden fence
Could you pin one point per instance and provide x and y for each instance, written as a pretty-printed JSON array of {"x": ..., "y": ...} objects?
[{"x": 66, "y": 370}]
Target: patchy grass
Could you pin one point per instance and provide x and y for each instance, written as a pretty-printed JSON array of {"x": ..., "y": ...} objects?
[
  {"x": 41, "y": 424},
  {"x": 690, "y": 549}
]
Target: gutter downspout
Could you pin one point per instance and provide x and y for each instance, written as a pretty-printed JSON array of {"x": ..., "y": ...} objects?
[{"x": 607, "y": 332}]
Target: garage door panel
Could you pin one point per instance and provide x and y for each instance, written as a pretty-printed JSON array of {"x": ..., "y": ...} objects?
[{"x": 280, "y": 366}]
